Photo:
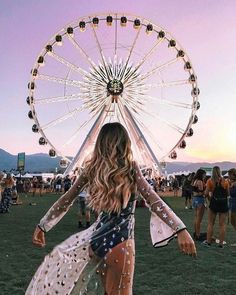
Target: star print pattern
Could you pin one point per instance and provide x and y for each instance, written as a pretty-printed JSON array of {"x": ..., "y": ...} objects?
[{"x": 71, "y": 269}]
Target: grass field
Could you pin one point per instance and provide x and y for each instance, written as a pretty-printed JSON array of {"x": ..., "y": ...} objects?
[{"x": 158, "y": 271}]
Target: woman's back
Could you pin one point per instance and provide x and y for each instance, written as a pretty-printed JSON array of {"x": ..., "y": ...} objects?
[{"x": 211, "y": 184}]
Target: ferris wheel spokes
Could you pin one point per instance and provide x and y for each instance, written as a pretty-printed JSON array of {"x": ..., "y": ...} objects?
[
  {"x": 62, "y": 118},
  {"x": 68, "y": 64},
  {"x": 148, "y": 130},
  {"x": 55, "y": 99},
  {"x": 116, "y": 31},
  {"x": 88, "y": 59},
  {"x": 76, "y": 133},
  {"x": 69, "y": 82},
  {"x": 148, "y": 54},
  {"x": 82, "y": 51},
  {"x": 86, "y": 145},
  {"x": 172, "y": 125},
  {"x": 166, "y": 84},
  {"x": 136, "y": 108},
  {"x": 159, "y": 68},
  {"x": 129, "y": 54},
  {"x": 100, "y": 51},
  {"x": 170, "y": 103}
]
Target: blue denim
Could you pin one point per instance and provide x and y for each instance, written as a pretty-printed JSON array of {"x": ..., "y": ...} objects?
[
  {"x": 198, "y": 201},
  {"x": 232, "y": 204}
]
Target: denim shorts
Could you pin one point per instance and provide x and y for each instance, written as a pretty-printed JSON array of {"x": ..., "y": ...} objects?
[
  {"x": 232, "y": 204},
  {"x": 198, "y": 201}
]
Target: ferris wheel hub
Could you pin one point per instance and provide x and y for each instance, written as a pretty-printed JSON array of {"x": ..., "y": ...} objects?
[{"x": 115, "y": 87}]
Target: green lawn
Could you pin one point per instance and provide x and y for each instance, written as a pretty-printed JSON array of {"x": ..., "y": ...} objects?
[{"x": 158, "y": 271}]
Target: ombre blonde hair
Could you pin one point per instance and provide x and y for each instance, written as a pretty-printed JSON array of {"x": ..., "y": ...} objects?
[
  {"x": 216, "y": 174},
  {"x": 110, "y": 170}
]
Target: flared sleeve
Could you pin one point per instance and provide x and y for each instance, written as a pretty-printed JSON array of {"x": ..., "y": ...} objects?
[
  {"x": 62, "y": 205},
  {"x": 164, "y": 224}
]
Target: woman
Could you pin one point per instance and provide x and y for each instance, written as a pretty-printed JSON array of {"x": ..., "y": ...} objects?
[
  {"x": 6, "y": 201},
  {"x": 101, "y": 258},
  {"x": 34, "y": 185},
  {"x": 232, "y": 191},
  {"x": 217, "y": 191},
  {"x": 198, "y": 188},
  {"x": 187, "y": 190}
]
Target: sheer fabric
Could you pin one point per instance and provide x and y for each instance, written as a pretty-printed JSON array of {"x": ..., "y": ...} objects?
[{"x": 100, "y": 259}]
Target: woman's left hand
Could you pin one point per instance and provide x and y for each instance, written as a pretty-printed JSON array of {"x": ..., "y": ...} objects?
[
  {"x": 38, "y": 237},
  {"x": 186, "y": 243}
]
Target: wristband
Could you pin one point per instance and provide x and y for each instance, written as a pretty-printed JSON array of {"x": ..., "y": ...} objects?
[
  {"x": 41, "y": 228},
  {"x": 180, "y": 228}
]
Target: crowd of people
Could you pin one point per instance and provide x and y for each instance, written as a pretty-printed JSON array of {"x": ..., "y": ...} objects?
[
  {"x": 212, "y": 195},
  {"x": 217, "y": 196},
  {"x": 11, "y": 188},
  {"x": 197, "y": 189}
]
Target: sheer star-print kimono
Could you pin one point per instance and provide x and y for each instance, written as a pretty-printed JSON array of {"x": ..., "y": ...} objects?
[{"x": 100, "y": 259}]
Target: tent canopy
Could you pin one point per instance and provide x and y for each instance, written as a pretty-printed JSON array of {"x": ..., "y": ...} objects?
[{"x": 26, "y": 175}]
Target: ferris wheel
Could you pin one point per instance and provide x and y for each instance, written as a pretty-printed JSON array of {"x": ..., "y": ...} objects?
[{"x": 113, "y": 67}]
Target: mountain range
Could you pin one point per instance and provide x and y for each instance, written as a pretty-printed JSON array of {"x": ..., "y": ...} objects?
[{"x": 41, "y": 162}]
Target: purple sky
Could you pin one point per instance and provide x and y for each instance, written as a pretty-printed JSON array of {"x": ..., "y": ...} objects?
[{"x": 205, "y": 28}]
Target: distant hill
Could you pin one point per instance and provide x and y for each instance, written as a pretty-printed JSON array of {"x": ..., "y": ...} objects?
[
  {"x": 41, "y": 162},
  {"x": 187, "y": 166}
]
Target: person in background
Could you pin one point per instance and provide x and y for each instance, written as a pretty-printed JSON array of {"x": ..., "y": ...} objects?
[
  {"x": 58, "y": 183},
  {"x": 67, "y": 183},
  {"x": 34, "y": 185},
  {"x": 27, "y": 186},
  {"x": 198, "y": 188},
  {"x": 175, "y": 186},
  {"x": 41, "y": 186},
  {"x": 16, "y": 189},
  {"x": 232, "y": 192},
  {"x": 217, "y": 191},
  {"x": 2, "y": 174},
  {"x": 52, "y": 185},
  {"x": 7, "y": 184},
  {"x": 83, "y": 210},
  {"x": 187, "y": 190}
]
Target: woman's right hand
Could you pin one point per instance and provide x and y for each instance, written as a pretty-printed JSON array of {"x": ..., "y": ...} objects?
[
  {"x": 38, "y": 237},
  {"x": 186, "y": 243}
]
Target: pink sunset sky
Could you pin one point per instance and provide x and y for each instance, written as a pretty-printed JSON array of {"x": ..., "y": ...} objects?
[{"x": 205, "y": 28}]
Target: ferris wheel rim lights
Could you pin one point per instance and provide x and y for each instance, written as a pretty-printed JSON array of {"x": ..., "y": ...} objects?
[{"x": 124, "y": 20}]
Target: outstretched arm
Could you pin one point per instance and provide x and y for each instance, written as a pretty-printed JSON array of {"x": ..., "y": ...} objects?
[
  {"x": 58, "y": 210},
  {"x": 162, "y": 210},
  {"x": 62, "y": 205}
]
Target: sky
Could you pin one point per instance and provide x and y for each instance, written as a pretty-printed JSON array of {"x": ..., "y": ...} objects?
[{"x": 205, "y": 28}]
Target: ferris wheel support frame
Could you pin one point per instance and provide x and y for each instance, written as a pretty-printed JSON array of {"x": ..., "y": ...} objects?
[
  {"x": 141, "y": 138},
  {"x": 92, "y": 133}
]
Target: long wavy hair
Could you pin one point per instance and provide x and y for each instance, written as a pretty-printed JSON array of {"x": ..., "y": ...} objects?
[
  {"x": 199, "y": 175},
  {"x": 216, "y": 174},
  {"x": 109, "y": 170}
]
